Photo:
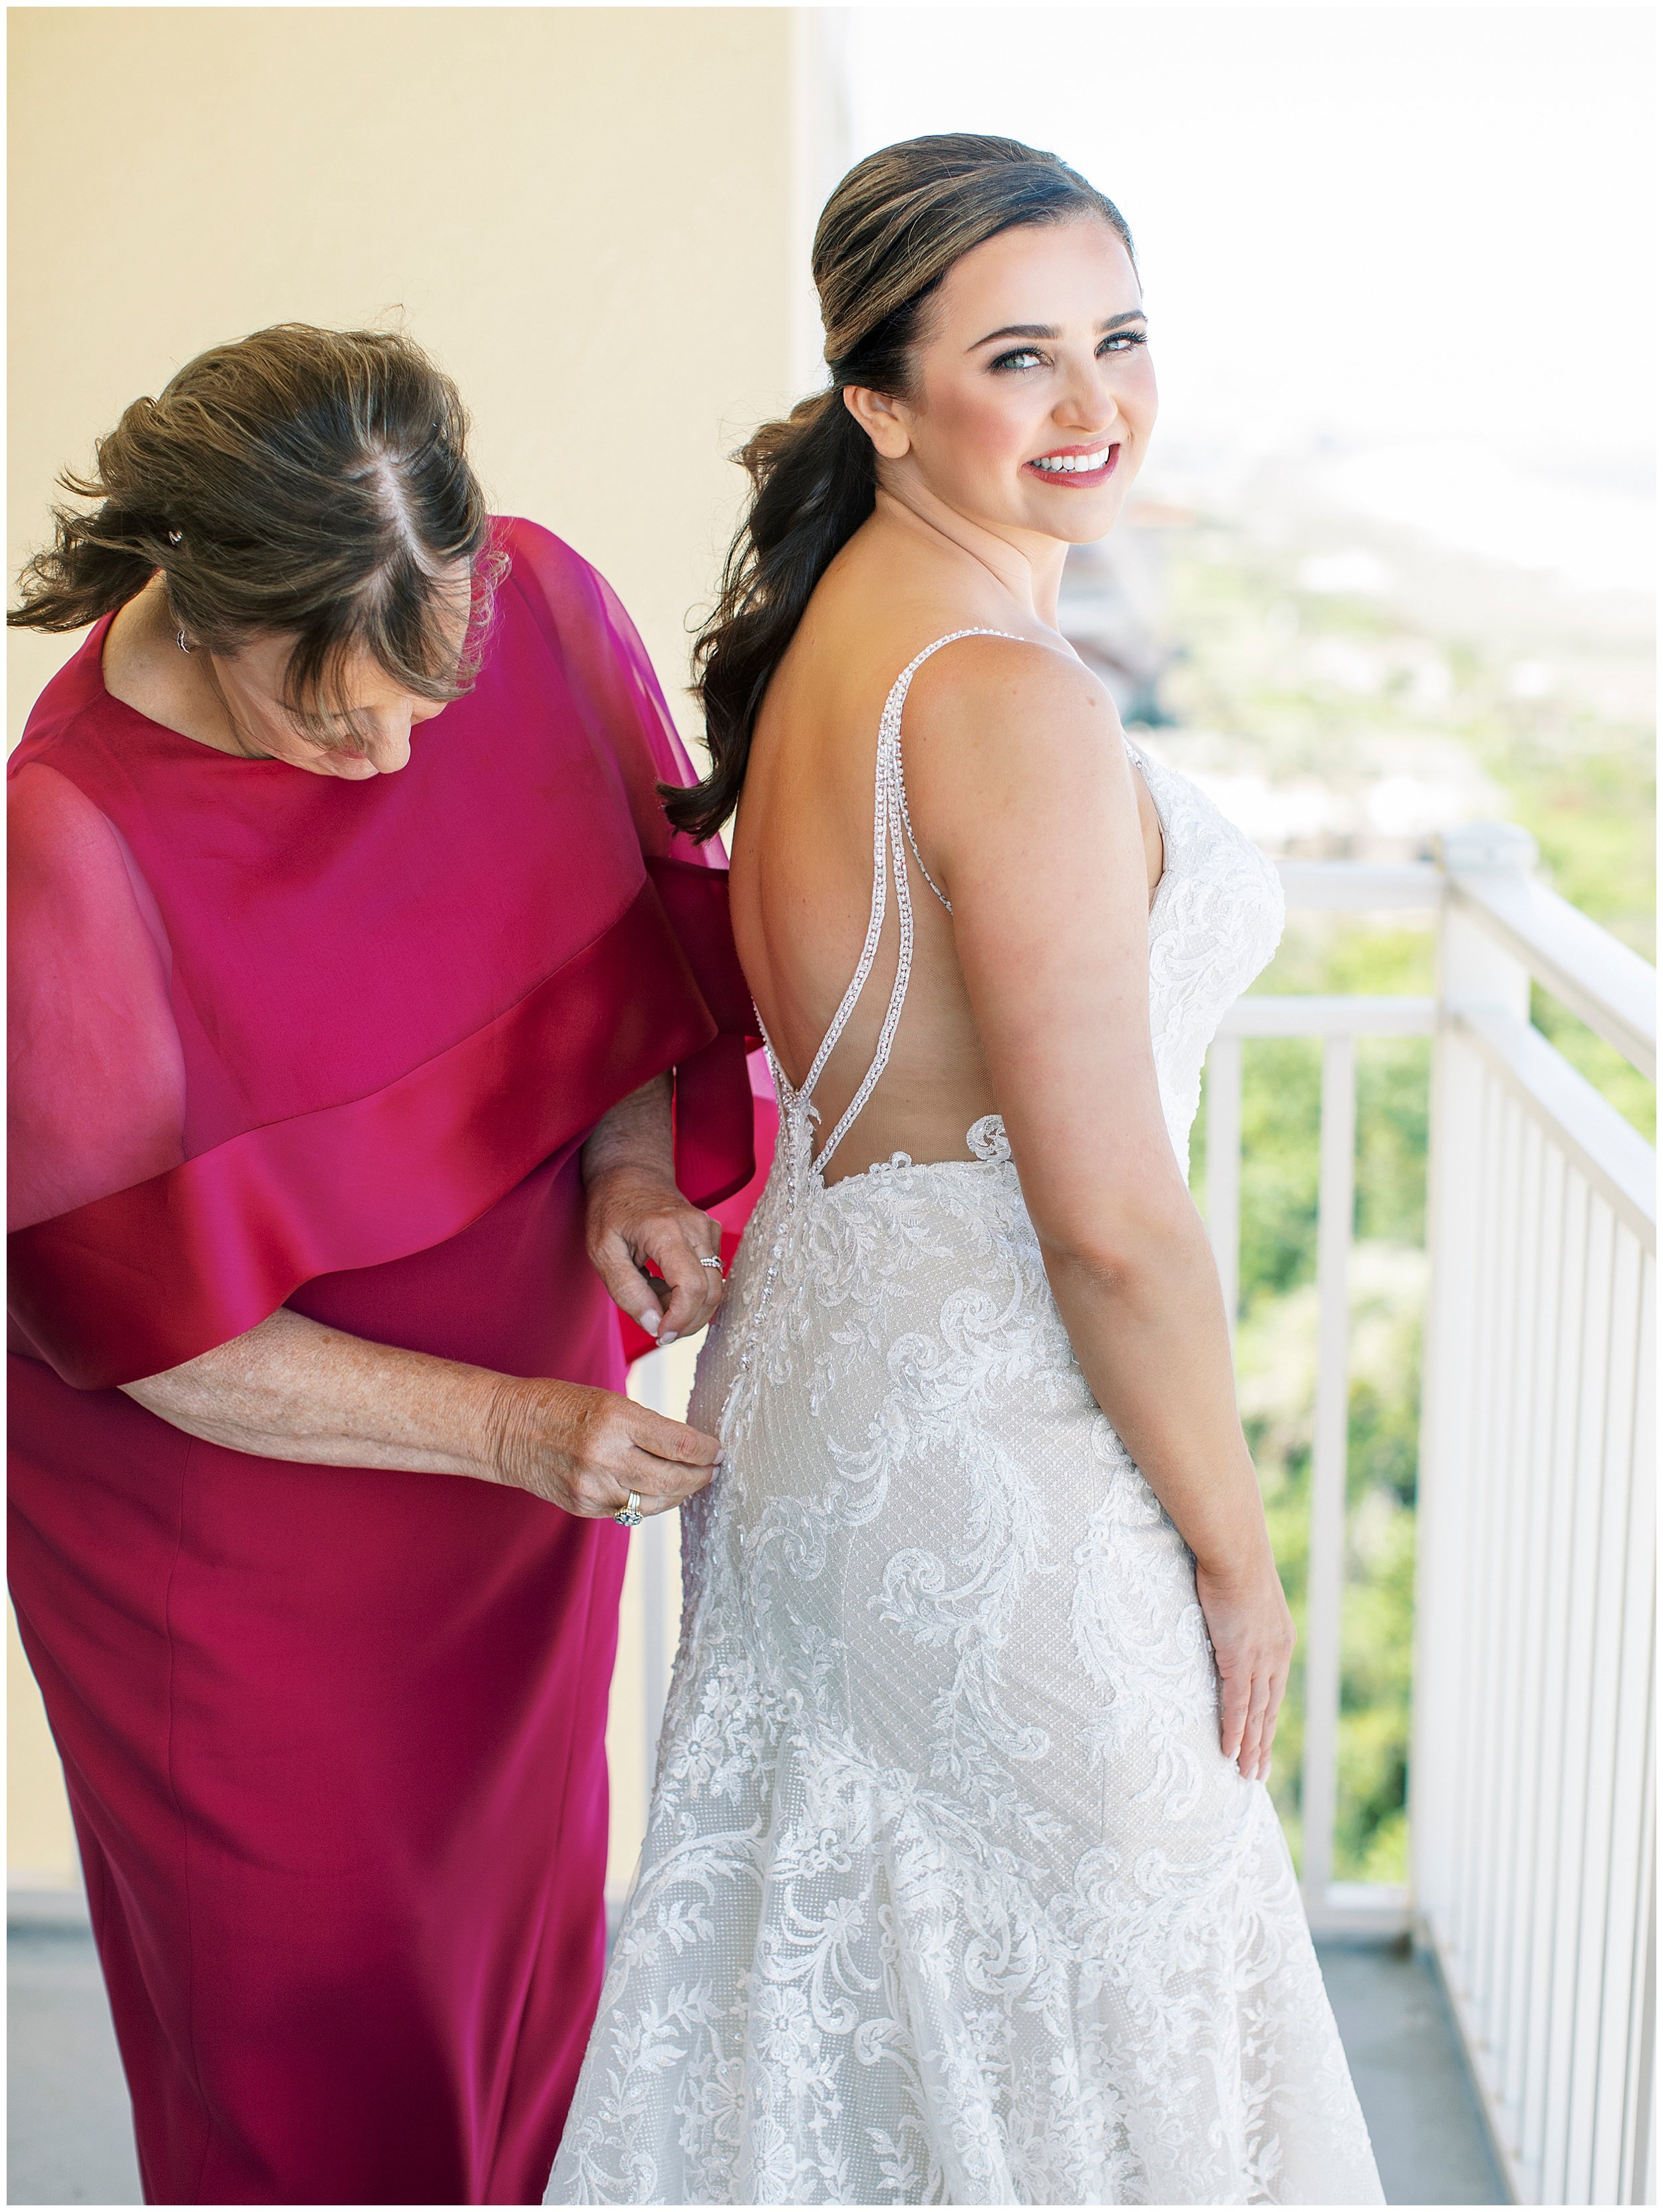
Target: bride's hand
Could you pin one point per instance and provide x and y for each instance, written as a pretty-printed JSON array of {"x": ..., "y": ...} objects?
[{"x": 1253, "y": 1636}]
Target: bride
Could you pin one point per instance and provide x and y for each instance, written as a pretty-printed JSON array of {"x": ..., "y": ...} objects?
[{"x": 961, "y": 1884}]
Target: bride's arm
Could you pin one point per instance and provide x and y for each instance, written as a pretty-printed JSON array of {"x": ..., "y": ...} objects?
[{"x": 1023, "y": 797}]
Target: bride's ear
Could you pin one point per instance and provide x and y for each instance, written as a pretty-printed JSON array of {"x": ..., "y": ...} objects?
[{"x": 877, "y": 416}]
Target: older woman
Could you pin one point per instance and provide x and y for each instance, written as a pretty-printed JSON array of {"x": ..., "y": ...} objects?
[{"x": 341, "y": 1048}]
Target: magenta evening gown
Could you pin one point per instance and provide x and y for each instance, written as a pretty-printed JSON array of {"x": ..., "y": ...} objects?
[{"x": 334, "y": 1737}]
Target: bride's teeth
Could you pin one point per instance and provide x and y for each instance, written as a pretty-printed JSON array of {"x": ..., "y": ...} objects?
[{"x": 1073, "y": 463}]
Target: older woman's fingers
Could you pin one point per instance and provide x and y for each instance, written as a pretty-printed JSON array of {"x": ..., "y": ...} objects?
[
  {"x": 668, "y": 1462},
  {"x": 694, "y": 1289},
  {"x": 662, "y": 1461},
  {"x": 586, "y": 1450},
  {"x": 674, "y": 1444},
  {"x": 627, "y": 1286},
  {"x": 690, "y": 1304},
  {"x": 661, "y": 1491}
]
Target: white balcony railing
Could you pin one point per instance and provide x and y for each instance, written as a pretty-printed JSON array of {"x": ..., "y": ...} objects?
[
  {"x": 1531, "y": 1771},
  {"x": 1340, "y": 1022}
]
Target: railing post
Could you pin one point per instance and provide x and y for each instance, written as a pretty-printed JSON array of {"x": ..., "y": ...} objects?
[{"x": 1472, "y": 971}]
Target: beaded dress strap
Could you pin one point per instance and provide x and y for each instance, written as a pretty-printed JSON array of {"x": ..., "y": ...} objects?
[{"x": 892, "y": 820}]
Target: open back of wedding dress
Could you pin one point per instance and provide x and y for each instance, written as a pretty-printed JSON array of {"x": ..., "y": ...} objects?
[{"x": 948, "y": 1894}]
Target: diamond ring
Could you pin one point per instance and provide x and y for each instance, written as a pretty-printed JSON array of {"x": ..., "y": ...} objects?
[
  {"x": 628, "y": 1515},
  {"x": 709, "y": 1262}
]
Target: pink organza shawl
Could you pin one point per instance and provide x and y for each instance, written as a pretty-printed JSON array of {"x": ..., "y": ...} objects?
[{"x": 267, "y": 1026}]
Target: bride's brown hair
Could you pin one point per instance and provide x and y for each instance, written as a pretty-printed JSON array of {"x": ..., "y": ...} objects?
[{"x": 888, "y": 235}]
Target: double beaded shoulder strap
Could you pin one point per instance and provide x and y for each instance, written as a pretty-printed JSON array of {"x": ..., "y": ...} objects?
[
  {"x": 891, "y": 823},
  {"x": 892, "y": 820}
]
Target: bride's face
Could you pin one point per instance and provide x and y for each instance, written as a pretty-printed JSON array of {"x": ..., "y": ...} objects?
[{"x": 1034, "y": 394}]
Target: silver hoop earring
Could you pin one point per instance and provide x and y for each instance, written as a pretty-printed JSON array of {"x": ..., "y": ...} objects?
[{"x": 184, "y": 646}]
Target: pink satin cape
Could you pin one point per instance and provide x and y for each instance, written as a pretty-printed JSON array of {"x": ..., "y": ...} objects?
[{"x": 334, "y": 1737}]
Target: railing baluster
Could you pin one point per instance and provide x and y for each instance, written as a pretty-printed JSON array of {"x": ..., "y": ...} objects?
[
  {"x": 1481, "y": 1574},
  {"x": 1224, "y": 1168},
  {"x": 1584, "y": 1472},
  {"x": 1325, "y": 1580},
  {"x": 1507, "y": 1591},
  {"x": 1533, "y": 1509},
  {"x": 1561, "y": 1629},
  {"x": 1469, "y": 1580},
  {"x": 1631, "y": 1633},
  {"x": 1464, "y": 1102},
  {"x": 1640, "y": 2077},
  {"x": 1521, "y": 1641},
  {"x": 1608, "y": 1502},
  {"x": 1556, "y": 1667},
  {"x": 1490, "y": 1685}
]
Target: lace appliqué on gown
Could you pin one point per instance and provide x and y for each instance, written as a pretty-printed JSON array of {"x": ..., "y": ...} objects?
[{"x": 948, "y": 1895}]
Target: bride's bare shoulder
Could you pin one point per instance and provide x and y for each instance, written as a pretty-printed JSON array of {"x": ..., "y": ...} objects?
[{"x": 992, "y": 706}]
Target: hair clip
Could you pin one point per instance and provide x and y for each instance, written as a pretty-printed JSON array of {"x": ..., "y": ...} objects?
[{"x": 175, "y": 536}]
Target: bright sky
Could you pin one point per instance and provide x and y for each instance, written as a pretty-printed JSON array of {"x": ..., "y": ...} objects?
[{"x": 1398, "y": 225}]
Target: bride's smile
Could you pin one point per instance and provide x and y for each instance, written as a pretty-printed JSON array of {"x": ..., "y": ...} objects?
[{"x": 1079, "y": 466}]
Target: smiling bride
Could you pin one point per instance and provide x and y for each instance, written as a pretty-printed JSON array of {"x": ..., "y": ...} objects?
[{"x": 961, "y": 1883}]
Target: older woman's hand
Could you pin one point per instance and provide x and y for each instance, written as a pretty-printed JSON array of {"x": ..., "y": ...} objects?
[
  {"x": 638, "y": 1219},
  {"x": 585, "y": 1450},
  {"x": 294, "y": 1389}
]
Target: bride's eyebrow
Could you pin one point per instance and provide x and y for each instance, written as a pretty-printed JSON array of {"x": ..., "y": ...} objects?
[{"x": 1045, "y": 330}]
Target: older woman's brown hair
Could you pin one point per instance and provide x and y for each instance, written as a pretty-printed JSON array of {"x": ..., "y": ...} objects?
[{"x": 299, "y": 481}]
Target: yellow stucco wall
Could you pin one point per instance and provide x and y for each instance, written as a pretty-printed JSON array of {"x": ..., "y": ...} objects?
[
  {"x": 585, "y": 213},
  {"x": 591, "y": 217},
  {"x": 39, "y": 1846}
]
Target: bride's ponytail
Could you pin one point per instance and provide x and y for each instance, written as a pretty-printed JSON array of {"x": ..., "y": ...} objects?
[
  {"x": 814, "y": 481},
  {"x": 890, "y": 232}
]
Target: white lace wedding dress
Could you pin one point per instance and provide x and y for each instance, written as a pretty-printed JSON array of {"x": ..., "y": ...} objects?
[{"x": 948, "y": 1895}]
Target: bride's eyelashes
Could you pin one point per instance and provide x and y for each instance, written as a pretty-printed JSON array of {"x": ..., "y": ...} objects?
[{"x": 1023, "y": 356}]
